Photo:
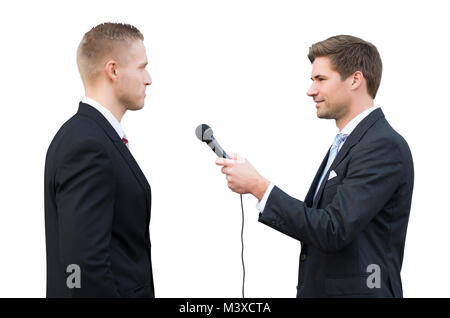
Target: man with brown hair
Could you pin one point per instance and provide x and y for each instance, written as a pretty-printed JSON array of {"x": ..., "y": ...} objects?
[
  {"x": 352, "y": 224},
  {"x": 97, "y": 200}
]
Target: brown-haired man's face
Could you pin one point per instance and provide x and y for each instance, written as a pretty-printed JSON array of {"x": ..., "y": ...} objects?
[
  {"x": 329, "y": 92},
  {"x": 133, "y": 77}
]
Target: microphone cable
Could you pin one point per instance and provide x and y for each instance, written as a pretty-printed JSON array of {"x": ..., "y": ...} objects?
[
  {"x": 205, "y": 134},
  {"x": 242, "y": 250}
]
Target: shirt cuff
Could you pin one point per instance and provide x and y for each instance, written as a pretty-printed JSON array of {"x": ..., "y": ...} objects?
[{"x": 260, "y": 205}]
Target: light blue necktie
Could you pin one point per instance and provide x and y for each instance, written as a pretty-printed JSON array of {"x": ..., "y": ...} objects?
[{"x": 338, "y": 140}]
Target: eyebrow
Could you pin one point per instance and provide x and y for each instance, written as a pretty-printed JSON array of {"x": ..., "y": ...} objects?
[{"x": 317, "y": 76}]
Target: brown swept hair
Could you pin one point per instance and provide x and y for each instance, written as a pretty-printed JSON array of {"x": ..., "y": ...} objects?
[{"x": 349, "y": 54}]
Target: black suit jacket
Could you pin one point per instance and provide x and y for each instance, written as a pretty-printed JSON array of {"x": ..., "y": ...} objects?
[
  {"x": 97, "y": 212},
  {"x": 358, "y": 220}
]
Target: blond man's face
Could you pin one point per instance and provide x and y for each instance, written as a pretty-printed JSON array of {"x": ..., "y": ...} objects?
[{"x": 133, "y": 77}]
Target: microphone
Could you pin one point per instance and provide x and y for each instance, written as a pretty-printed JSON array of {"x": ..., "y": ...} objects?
[{"x": 205, "y": 134}]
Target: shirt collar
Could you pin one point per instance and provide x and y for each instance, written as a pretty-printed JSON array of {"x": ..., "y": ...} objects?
[
  {"x": 106, "y": 113},
  {"x": 351, "y": 125}
]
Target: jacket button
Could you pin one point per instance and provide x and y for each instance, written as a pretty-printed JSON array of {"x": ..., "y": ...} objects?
[{"x": 302, "y": 257}]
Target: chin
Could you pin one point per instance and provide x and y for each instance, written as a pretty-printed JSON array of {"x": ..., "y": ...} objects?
[
  {"x": 136, "y": 106},
  {"x": 323, "y": 115}
]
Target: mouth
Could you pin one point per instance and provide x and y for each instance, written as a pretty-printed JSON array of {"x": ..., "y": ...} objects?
[{"x": 318, "y": 102}]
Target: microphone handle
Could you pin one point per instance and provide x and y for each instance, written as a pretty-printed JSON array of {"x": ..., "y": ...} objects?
[{"x": 214, "y": 145}]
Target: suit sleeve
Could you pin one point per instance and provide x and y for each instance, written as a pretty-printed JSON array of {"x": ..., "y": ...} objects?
[
  {"x": 85, "y": 191},
  {"x": 374, "y": 174}
]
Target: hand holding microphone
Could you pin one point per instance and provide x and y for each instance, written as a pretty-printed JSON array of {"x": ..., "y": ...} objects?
[{"x": 242, "y": 177}]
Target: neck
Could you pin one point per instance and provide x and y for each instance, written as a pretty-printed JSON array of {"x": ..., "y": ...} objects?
[
  {"x": 107, "y": 100},
  {"x": 353, "y": 111}
]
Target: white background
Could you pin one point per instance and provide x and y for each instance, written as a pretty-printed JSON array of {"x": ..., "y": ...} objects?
[{"x": 241, "y": 67}]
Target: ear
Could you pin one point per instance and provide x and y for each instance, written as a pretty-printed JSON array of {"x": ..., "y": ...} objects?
[
  {"x": 357, "y": 80},
  {"x": 111, "y": 70}
]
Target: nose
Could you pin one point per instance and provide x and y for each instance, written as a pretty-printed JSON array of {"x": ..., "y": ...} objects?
[
  {"x": 148, "y": 79},
  {"x": 312, "y": 90}
]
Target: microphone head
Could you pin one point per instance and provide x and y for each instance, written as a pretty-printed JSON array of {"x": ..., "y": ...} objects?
[{"x": 204, "y": 132}]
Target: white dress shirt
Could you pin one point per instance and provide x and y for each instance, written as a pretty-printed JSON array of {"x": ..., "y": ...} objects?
[
  {"x": 347, "y": 130},
  {"x": 107, "y": 114}
]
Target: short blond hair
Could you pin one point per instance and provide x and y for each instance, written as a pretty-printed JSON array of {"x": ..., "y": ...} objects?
[{"x": 103, "y": 41}]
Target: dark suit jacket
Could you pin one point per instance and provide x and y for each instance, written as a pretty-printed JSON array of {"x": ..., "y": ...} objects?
[
  {"x": 358, "y": 218},
  {"x": 97, "y": 212}
]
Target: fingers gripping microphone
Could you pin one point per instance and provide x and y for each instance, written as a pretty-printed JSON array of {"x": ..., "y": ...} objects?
[{"x": 205, "y": 134}]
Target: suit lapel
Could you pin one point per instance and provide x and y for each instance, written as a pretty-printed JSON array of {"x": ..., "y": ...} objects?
[
  {"x": 312, "y": 188},
  {"x": 89, "y": 111},
  {"x": 356, "y": 135},
  {"x": 126, "y": 154},
  {"x": 351, "y": 141}
]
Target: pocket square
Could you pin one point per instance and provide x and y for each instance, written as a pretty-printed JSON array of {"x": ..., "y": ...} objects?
[{"x": 332, "y": 175}]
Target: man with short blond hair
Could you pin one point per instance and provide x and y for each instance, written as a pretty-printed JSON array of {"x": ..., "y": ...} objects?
[
  {"x": 352, "y": 224},
  {"x": 97, "y": 200}
]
